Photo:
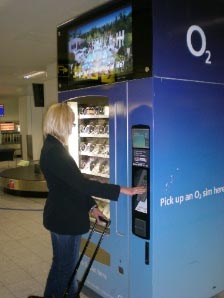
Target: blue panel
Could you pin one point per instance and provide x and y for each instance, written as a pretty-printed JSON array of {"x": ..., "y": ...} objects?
[
  {"x": 188, "y": 39},
  {"x": 139, "y": 112},
  {"x": 106, "y": 90},
  {"x": 188, "y": 189}
]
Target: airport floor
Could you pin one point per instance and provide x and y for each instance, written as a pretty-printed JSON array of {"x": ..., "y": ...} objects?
[{"x": 25, "y": 249}]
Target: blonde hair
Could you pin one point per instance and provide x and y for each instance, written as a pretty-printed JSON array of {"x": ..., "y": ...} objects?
[{"x": 58, "y": 121}]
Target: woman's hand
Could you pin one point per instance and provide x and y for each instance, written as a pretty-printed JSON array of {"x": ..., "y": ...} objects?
[
  {"x": 96, "y": 213},
  {"x": 131, "y": 191}
]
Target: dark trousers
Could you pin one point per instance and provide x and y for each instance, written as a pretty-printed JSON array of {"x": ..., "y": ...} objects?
[{"x": 65, "y": 257}]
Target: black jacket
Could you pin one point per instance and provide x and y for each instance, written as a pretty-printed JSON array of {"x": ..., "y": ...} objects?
[{"x": 69, "y": 198}]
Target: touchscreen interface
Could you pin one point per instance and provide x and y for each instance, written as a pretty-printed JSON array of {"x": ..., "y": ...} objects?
[
  {"x": 140, "y": 138},
  {"x": 140, "y": 178}
]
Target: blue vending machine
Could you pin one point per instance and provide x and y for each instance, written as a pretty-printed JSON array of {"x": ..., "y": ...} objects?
[
  {"x": 187, "y": 150},
  {"x": 146, "y": 81}
]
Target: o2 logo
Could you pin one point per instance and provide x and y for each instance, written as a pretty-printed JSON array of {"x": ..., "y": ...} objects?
[{"x": 202, "y": 50}]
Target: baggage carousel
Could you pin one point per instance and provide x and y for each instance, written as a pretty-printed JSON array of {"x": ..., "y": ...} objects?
[{"x": 26, "y": 181}]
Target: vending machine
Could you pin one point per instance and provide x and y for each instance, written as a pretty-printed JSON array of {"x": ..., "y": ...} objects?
[
  {"x": 97, "y": 144},
  {"x": 145, "y": 80}
]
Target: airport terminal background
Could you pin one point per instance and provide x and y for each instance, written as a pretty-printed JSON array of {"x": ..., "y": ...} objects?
[{"x": 25, "y": 245}]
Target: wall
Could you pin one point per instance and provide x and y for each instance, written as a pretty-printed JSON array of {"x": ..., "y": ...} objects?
[
  {"x": 11, "y": 109},
  {"x": 23, "y": 124},
  {"x": 22, "y": 109},
  {"x": 31, "y": 117},
  {"x": 51, "y": 85}
]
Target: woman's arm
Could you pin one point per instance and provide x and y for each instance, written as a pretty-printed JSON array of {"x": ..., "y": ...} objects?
[{"x": 131, "y": 191}]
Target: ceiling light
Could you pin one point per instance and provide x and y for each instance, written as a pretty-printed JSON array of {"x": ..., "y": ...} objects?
[{"x": 34, "y": 74}]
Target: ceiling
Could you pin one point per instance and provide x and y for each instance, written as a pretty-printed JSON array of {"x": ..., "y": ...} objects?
[{"x": 28, "y": 38}]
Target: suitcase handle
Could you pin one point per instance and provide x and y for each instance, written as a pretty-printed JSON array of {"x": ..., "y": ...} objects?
[{"x": 108, "y": 222}]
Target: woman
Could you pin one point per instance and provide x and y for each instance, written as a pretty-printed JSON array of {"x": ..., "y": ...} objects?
[{"x": 66, "y": 212}]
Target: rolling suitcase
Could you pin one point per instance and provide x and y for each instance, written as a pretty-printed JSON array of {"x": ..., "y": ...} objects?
[{"x": 85, "y": 274}]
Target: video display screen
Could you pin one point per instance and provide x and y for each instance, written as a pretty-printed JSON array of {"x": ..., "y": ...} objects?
[
  {"x": 102, "y": 48},
  {"x": 108, "y": 44}
]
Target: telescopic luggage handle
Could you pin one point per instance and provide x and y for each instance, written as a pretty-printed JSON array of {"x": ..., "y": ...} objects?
[{"x": 107, "y": 222}]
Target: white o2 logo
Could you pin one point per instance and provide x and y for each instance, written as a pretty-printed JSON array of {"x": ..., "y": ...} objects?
[{"x": 202, "y": 50}]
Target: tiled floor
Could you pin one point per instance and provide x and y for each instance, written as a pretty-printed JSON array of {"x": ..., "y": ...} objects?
[
  {"x": 25, "y": 252},
  {"x": 25, "y": 249}
]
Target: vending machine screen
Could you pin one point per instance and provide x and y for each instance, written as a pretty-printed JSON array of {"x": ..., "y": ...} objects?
[
  {"x": 140, "y": 137},
  {"x": 140, "y": 176}
]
